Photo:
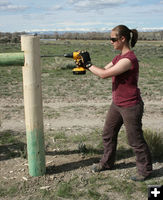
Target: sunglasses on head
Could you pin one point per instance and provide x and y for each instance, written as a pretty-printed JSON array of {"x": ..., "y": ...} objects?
[{"x": 114, "y": 39}]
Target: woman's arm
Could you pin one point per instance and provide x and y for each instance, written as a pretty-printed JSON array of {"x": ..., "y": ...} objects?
[
  {"x": 110, "y": 70},
  {"x": 108, "y": 65}
]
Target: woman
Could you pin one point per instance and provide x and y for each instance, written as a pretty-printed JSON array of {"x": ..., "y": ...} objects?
[{"x": 127, "y": 106}]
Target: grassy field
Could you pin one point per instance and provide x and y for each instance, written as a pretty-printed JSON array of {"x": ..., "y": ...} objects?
[
  {"x": 74, "y": 112},
  {"x": 150, "y": 55}
]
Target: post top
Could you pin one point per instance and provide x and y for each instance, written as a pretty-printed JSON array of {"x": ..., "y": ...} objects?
[
  {"x": 30, "y": 35},
  {"x": 29, "y": 42}
]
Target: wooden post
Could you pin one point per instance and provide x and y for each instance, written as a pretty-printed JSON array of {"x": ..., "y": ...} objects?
[{"x": 33, "y": 105}]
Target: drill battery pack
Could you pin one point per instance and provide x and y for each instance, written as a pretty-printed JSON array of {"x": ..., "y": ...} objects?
[{"x": 79, "y": 71}]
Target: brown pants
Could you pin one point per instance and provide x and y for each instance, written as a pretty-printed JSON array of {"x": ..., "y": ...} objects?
[{"x": 131, "y": 117}]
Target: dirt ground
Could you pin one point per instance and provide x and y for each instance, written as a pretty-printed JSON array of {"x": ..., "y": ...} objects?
[
  {"x": 80, "y": 116},
  {"x": 152, "y": 119}
]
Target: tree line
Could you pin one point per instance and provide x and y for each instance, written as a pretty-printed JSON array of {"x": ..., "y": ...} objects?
[{"x": 15, "y": 37}]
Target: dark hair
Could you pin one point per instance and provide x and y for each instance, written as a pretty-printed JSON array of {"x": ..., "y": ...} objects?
[{"x": 123, "y": 30}]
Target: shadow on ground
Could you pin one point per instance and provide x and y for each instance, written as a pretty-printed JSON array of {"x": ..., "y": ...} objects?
[
  {"x": 10, "y": 146},
  {"x": 121, "y": 154}
]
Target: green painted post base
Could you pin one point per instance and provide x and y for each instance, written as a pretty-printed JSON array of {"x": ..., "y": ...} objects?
[
  {"x": 36, "y": 153},
  {"x": 7, "y": 59}
]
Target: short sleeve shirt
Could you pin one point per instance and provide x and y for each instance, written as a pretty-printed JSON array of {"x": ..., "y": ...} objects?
[{"x": 125, "y": 89}]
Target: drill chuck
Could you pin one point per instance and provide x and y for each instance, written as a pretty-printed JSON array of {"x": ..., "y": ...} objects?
[
  {"x": 78, "y": 60},
  {"x": 68, "y": 55}
]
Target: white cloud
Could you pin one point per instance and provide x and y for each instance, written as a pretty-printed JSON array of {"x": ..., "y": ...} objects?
[
  {"x": 151, "y": 29},
  {"x": 3, "y": 3},
  {"x": 56, "y": 7},
  {"x": 85, "y": 5},
  {"x": 97, "y": 1},
  {"x": 7, "y": 6},
  {"x": 83, "y": 24}
]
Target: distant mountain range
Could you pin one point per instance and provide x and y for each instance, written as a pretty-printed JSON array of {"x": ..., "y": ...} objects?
[{"x": 48, "y": 32}]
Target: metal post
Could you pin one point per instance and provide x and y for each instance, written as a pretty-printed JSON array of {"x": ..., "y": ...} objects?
[{"x": 33, "y": 105}]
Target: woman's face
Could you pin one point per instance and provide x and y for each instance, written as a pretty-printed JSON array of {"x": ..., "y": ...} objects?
[{"x": 116, "y": 41}]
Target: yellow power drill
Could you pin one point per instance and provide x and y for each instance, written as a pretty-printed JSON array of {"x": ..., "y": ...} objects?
[{"x": 78, "y": 60}]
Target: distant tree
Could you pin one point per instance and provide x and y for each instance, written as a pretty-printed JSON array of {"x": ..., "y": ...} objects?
[
  {"x": 56, "y": 35},
  {"x": 15, "y": 38},
  {"x": 161, "y": 35}
]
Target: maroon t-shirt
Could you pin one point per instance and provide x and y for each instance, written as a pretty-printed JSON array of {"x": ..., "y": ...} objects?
[{"x": 125, "y": 89}]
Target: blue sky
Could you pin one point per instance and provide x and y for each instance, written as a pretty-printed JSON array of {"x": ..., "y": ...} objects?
[{"x": 79, "y": 15}]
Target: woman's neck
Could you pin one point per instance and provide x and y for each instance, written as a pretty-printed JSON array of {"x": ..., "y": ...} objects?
[{"x": 125, "y": 49}]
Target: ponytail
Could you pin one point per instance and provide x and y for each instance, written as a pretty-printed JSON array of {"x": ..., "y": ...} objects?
[
  {"x": 131, "y": 35},
  {"x": 134, "y": 37}
]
